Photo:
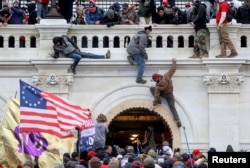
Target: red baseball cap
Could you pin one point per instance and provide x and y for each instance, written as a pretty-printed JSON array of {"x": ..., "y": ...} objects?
[
  {"x": 91, "y": 154},
  {"x": 155, "y": 75},
  {"x": 196, "y": 152}
]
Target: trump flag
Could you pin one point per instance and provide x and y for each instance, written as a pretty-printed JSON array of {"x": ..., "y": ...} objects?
[
  {"x": 17, "y": 147},
  {"x": 41, "y": 111}
]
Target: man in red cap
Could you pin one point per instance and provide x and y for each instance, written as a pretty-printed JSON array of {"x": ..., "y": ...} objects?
[{"x": 164, "y": 88}]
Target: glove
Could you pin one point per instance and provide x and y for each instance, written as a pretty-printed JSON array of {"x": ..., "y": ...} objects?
[
  {"x": 146, "y": 58},
  {"x": 109, "y": 24},
  {"x": 56, "y": 56}
]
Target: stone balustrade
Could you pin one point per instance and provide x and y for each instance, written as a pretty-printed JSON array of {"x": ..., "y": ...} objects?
[{"x": 35, "y": 41}]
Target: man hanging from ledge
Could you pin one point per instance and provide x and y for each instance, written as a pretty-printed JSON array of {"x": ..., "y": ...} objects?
[
  {"x": 66, "y": 46},
  {"x": 164, "y": 88}
]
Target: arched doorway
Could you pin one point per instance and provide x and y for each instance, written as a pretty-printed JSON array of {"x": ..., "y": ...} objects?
[{"x": 130, "y": 124}]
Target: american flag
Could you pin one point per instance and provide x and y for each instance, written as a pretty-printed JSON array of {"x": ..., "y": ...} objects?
[{"x": 42, "y": 111}]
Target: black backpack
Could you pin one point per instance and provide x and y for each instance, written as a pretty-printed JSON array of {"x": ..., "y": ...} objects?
[{"x": 230, "y": 14}]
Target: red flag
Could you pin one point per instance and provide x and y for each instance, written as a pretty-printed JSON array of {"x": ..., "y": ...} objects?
[{"x": 41, "y": 111}]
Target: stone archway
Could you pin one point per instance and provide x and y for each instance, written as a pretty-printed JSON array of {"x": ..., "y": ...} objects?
[
  {"x": 142, "y": 104},
  {"x": 129, "y": 96}
]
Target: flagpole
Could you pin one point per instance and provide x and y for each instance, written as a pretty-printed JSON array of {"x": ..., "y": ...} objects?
[
  {"x": 78, "y": 139},
  {"x": 189, "y": 154}
]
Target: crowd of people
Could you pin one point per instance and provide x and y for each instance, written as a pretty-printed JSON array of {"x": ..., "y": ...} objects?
[
  {"x": 113, "y": 156},
  {"x": 145, "y": 12}
]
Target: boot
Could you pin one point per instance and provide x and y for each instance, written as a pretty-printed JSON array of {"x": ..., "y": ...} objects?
[
  {"x": 221, "y": 56},
  {"x": 233, "y": 54},
  {"x": 73, "y": 69},
  {"x": 108, "y": 54},
  {"x": 142, "y": 81},
  {"x": 194, "y": 56},
  {"x": 204, "y": 56}
]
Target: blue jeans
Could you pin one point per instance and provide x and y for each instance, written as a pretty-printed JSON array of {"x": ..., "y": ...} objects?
[
  {"x": 42, "y": 10},
  {"x": 78, "y": 55},
  {"x": 140, "y": 65}
]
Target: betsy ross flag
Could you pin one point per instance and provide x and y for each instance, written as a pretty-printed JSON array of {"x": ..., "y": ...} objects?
[{"x": 41, "y": 111}]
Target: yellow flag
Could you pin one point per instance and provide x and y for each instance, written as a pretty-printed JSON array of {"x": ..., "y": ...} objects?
[{"x": 16, "y": 147}]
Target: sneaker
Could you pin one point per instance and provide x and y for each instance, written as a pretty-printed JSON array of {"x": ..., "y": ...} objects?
[
  {"x": 178, "y": 122},
  {"x": 194, "y": 56},
  {"x": 130, "y": 60},
  {"x": 221, "y": 56},
  {"x": 233, "y": 55},
  {"x": 108, "y": 54},
  {"x": 204, "y": 56},
  {"x": 142, "y": 81},
  {"x": 73, "y": 70}
]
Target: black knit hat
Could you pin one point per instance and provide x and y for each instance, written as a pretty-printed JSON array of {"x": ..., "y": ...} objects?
[
  {"x": 148, "y": 27},
  {"x": 57, "y": 39}
]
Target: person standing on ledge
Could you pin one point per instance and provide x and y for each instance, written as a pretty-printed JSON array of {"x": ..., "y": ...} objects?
[
  {"x": 164, "y": 88},
  {"x": 136, "y": 49},
  {"x": 222, "y": 29},
  {"x": 66, "y": 46}
]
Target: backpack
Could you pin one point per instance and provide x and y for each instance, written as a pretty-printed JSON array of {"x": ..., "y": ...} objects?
[{"x": 230, "y": 14}]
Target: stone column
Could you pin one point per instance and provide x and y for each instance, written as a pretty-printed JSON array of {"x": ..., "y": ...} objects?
[
  {"x": 49, "y": 28},
  {"x": 223, "y": 83}
]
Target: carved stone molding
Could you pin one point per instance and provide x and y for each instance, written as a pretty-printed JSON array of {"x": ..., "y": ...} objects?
[
  {"x": 52, "y": 82},
  {"x": 223, "y": 83}
]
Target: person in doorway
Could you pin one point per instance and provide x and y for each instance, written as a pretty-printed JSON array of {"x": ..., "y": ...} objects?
[
  {"x": 199, "y": 24},
  {"x": 136, "y": 50},
  {"x": 164, "y": 88},
  {"x": 222, "y": 29},
  {"x": 149, "y": 139},
  {"x": 101, "y": 130},
  {"x": 65, "y": 45}
]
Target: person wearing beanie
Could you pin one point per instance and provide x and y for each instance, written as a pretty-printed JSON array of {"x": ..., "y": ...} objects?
[
  {"x": 17, "y": 13},
  {"x": 66, "y": 46},
  {"x": 137, "y": 50},
  {"x": 222, "y": 30},
  {"x": 94, "y": 14},
  {"x": 128, "y": 15},
  {"x": 164, "y": 88},
  {"x": 200, "y": 27},
  {"x": 111, "y": 18},
  {"x": 149, "y": 162}
]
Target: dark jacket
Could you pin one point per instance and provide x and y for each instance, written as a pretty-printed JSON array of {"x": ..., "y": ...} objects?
[
  {"x": 147, "y": 8},
  {"x": 66, "y": 50},
  {"x": 17, "y": 15},
  {"x": 243, "y": 14},
  {"x": 161, "y": 19},
  {"x": 92, "y": 17},
  {"x": 79, "y": 20},
  {"x": 165, "y": 85},
  {"x": 138, "y": 43},
  {"x": 201, "y": 18},
  {"x": 111, "y": 22}
]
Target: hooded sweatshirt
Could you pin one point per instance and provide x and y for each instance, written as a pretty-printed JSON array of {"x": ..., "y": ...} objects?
[
  {"x": 100, "y": 131},
  {"x": 138, "y": 43}
]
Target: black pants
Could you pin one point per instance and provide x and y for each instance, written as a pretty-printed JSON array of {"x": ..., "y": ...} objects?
[{"x": 170, "y": 99}]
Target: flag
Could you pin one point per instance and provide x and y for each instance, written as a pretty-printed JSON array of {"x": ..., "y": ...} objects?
[
  {"x": 17, "y": 147},
  {"x": 41, "y": 111}
]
